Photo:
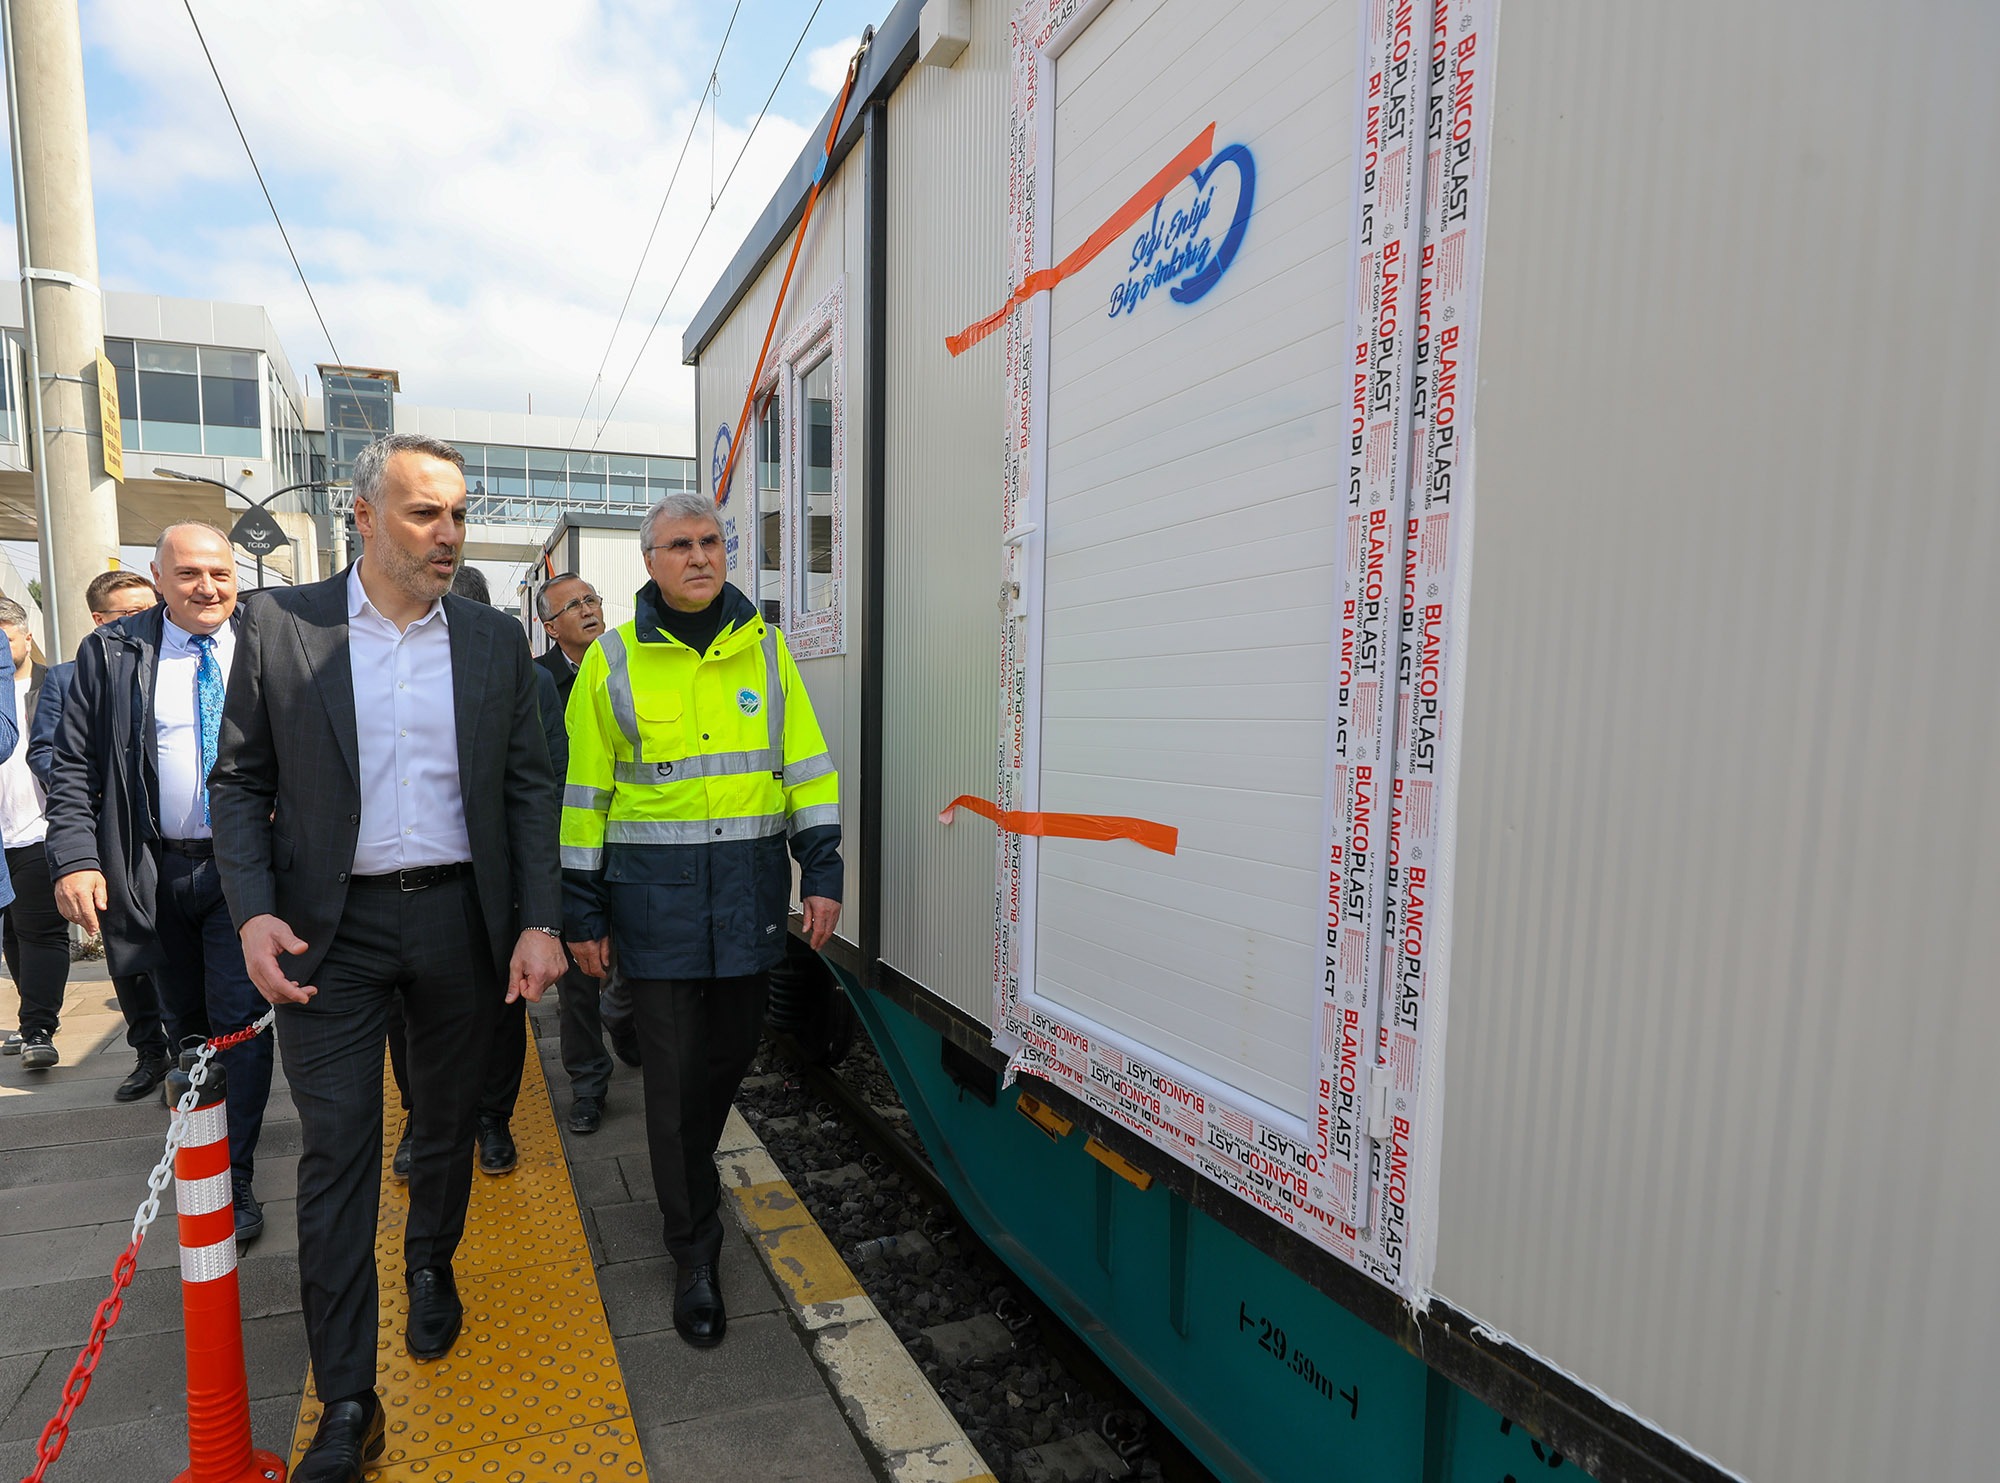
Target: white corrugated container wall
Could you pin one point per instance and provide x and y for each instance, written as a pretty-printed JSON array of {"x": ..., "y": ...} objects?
[
  {"x": 1194, "y": 458},
  {"x": 946, "y": 418},
  {"x": 830, "y": 259},
  {"x": 1719, "y": 1106}
]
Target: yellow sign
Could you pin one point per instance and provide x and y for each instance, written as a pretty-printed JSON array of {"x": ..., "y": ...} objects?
[{"x": 107, "y": 411}]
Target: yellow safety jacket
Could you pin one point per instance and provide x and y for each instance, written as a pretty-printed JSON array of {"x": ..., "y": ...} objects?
[{"x": 689, "y": 774}]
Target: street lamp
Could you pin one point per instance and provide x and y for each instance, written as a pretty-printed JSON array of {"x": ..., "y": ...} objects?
[{"x": 256, "y": 531}]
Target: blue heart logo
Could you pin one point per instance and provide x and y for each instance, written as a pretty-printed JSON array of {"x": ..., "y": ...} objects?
[{"x": 1239, "y": 156}]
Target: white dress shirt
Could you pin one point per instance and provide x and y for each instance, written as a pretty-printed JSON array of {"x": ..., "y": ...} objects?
[
  {"x": 22, "y": 820},
  {"x": 177, "y": 728},
  {"x": 412, "y": 811}
]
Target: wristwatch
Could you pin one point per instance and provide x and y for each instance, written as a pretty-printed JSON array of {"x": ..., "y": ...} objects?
[{"x": 551, "y": 931}]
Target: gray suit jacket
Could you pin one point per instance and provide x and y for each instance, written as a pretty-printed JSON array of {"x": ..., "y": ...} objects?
[{"x": 285, "y": 795}]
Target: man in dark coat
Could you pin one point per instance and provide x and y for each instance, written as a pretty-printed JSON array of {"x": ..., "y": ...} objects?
[
  {"x": 384, "y": 813},
  {"x": 130, "y": 840},
  {"x": 109, "y": 596},
  {"x": 573, "y": 615}
]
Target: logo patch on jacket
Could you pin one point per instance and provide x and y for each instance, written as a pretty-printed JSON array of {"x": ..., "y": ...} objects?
[{"x": 750, "y": 700}]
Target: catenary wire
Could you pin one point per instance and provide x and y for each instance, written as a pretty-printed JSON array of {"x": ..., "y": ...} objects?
[
  {"x": 652, "y": 328},
  {"x": 658, "y": 217},
  {"x": 299, "y": 267}
]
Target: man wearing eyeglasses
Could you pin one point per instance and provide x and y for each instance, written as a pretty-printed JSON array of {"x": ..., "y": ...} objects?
[
  {"x": 695, "y": 759},
  {"x": 573, "y": 614}
]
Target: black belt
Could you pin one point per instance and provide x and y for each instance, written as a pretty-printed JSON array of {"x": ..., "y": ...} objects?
[
  {"x": 194, "y": 849},
  {"x": 415, "y": 877}
]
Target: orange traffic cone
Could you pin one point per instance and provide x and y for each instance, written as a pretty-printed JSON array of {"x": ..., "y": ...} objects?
[{"x": 219, "y": 1449}]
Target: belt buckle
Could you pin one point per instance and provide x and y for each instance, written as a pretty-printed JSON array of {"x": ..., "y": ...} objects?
[{"x": 413, "y": 877}]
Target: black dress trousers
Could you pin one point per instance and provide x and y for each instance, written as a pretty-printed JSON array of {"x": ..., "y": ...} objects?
[
  {"x": 697, "y": 1036},
  {"x": 425, "y": 952}
]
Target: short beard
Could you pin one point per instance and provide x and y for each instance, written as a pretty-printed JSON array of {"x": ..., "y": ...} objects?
[{"x": 412, "y": 575}]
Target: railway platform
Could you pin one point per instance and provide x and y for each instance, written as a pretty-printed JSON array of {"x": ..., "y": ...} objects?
[{"x": 568, "y": 1366}]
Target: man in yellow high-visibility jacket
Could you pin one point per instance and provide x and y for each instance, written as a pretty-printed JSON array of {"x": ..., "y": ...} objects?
[{"x": 694, "y": 759}]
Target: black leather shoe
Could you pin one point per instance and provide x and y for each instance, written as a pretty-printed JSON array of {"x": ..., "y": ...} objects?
[
  {"x": 497, "y": 1154},
  {"x": 148, "y": 1074},
  {"x": 249, "y": 1214},
  {"x": 624, "y": 1043},
  {"x": 586, "y": 1115},
  {"x": 399, "y": 1166},
  {"x": 350, "y": 1436},
  {"x": 435, "y": 1313},
  {"x": 698, "y": 1313}
]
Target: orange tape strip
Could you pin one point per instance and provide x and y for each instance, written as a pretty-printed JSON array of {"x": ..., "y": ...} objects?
[
  {"x": 1148, "y": 196},
  {"x": 1162, "y": 837}
]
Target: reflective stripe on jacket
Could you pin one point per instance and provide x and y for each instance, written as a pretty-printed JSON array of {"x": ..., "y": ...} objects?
[{"x": 688, "y": 776}]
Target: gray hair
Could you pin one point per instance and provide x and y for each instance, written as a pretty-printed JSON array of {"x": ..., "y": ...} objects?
[
  {"x": 684, "y": 504},
  {"x": 12, "y": 614},
  {"x": 372, "y": 462},
  {"x": 542, "y": 600},
  {"x": 470, "y": 582},
  {"x": 160, "y": 546}
]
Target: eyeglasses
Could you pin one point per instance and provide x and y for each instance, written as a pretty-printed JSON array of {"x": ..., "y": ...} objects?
[
  {"x": 591, "y": 601},
  {"x": 681, "y": 546}
]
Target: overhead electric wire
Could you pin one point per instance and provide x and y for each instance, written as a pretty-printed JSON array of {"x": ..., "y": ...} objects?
[
  {"x": 658, "y": 217},
  {"x": 652, "y": 328},
  {"x": 258, "y": 172}
]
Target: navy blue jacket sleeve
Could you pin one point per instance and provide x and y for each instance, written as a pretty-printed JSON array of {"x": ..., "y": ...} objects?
[
  {"x": 10, "y": 723},
  {"x": 42, "y": 725}
]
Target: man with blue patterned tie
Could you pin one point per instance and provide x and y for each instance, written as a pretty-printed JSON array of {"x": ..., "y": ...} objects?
[{"x": 130, "y": 841}]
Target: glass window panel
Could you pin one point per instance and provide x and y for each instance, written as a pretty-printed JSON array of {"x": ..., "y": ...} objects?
[
  {"x": 154, "y": 356},
  {"x": 628, "y": 491},
  {"x": 629, "y": 463},
  {"x": 128, "y": 395},
  {"x": 770, "y": 572},
  {"x": 170, "y": 437},
  {"x": 118, "y": 352},
  {"x": 510, "y": 482},
  {"x": 674, "y": 473},
  {"x": 166, "y": 397},
  {"x": 551, "y": 460},
  {"x": 816, "y": 489},
  {"x": 545, "y": 484},
  {"x": 589, "y": 463},
  {"x": 241, "y": 364},
  {"x": 587, "y": 487},
  {"x": 233, "y": 442},
  {"x": 226, "y": 402}
]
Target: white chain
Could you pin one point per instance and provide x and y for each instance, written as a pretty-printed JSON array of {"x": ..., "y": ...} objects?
[{"x": 163, "y": 1172}]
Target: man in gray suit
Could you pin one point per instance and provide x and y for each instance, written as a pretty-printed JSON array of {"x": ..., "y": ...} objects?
[{"x": 385, "y": 822}]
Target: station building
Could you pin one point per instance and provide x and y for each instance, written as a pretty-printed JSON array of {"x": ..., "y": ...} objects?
[{"x": 205, "y": 388}]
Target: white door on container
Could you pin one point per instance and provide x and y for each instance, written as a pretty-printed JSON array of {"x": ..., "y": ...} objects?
[{"x": 1192, "y": 461}]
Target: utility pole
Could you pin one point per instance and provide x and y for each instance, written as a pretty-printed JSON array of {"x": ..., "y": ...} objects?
[{"x": 77, "y": 503}]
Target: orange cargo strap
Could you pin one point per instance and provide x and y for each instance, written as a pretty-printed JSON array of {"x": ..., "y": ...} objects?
[
  {"x": 798, "y": 241},
  {"x": 1043, "y": 279},
  {"x": 1162, "y": 837}
]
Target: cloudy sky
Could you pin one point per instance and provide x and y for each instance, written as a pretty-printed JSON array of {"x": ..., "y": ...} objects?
[{"x": 468, "y": 182}]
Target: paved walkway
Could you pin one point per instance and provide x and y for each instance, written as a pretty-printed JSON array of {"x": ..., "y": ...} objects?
[{"x": 72, "y": 1170}]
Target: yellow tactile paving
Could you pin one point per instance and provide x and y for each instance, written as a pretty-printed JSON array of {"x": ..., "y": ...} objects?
[{"x": 532, "y": 1390}]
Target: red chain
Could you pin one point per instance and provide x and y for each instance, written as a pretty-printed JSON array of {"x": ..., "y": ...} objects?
[
  {"x": 234, "y": 1038},
  {"x": 56, "y": 1434}
]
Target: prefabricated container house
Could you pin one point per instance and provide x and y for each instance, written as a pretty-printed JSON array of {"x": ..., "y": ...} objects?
[{"x": 1397, "y": 587}]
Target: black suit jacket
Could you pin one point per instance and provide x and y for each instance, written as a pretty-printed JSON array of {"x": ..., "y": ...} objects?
[
  {"x": 560, "y": 670},
  {"x": 104, "y": 779},
  {"x": 285, "y": 795}
]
